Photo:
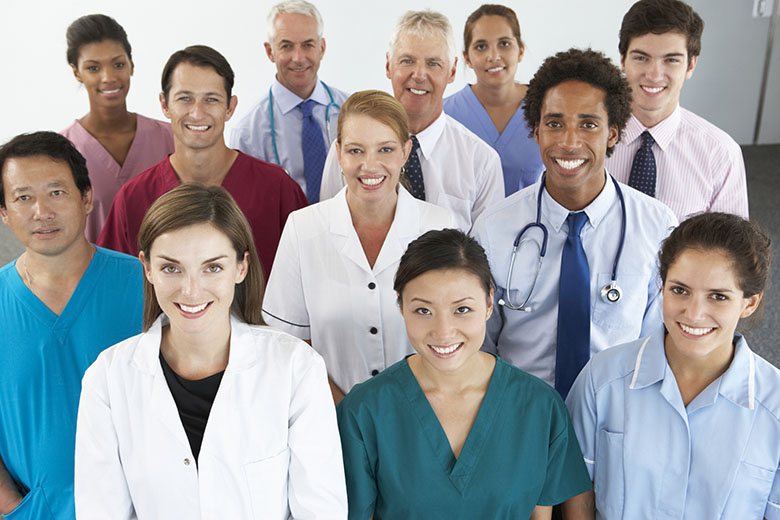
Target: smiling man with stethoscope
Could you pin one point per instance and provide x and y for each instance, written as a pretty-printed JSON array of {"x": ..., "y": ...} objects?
[
  {"x": 295, "y": 124},
  {"x": 574, "y": 255}
]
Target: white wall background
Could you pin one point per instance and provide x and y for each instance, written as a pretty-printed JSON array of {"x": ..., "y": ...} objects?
[{"x": 38, "y": 91}]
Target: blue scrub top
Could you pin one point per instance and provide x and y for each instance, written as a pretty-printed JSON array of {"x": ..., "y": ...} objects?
[
  {"x": 520, "y": 159},
  {"x": 43, "y": 358},
  {"x": 521, "y": 451}
]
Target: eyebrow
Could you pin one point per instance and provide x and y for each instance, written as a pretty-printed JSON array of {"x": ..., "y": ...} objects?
[
  {"x": 208, "y": 261},
  {"x": 581, "y": 116},
  {"x": 191, "y": 93},
  {"x": 422, "y": 300},
  {"x": 684, "y": 285},
  {"x": 118, "y": 56},
  {"x": 54, "y": 184},
  {"x": 383, "y": 143},
  {"x": 310, "y": 40},
  {"x": 668, "y": 55}
]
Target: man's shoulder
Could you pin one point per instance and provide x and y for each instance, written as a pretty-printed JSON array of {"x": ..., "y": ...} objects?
[
  {"x": 456, "y": 132},
  {"x": 695, "y": 128},
  {"x": 339, "y": 96},
  {"x": 148, "y": 184},
  {"x": 255, "y": 116},
  {"x": 650, "y": 208},
  {"x": 261, "y": 171},
  {"x": 119, "y": 263},
  {"x": 513, "y": 207}
]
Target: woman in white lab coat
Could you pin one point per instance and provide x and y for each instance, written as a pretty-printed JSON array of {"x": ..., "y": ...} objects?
[
  {"x": 332, "y": 280},
  {"x": 206, "y": 414}
]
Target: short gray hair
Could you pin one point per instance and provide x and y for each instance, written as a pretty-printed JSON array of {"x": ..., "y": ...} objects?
[
  {"x": 296, "y": 7},
  {"x": 425, "y": 24}
]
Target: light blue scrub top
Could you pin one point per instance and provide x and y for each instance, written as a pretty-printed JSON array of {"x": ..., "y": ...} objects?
[
  {"x": 651, "y": 457},
  {"x": 529, "y": 340},
  {"x": 252, "y": 134},
  {"x": 520, "y": 159},
  {"x": 521, "y": 451},
  {"x": 43, "y": 358}
]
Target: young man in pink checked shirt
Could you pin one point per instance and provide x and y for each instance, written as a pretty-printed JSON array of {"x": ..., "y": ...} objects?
[{"x": 666, "y": 151}]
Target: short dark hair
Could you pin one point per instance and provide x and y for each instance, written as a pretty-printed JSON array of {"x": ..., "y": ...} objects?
[
  {"x": 199, "y": 56},
  {"x": 45, "y": 144},
  {"x": 491, "y": 10},
  {"x": 659, "y": 17},
  {"x": 741, "y": 240},
  {"x": 443, "y": 249},
  {"x": 94, "y": 28},
  {"x": 590, "y": 67}
]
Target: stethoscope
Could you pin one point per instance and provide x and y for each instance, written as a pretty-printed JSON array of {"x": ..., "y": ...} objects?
[
  {"x": 271, "y": 114},
  {"x": 610, "y": 293}
]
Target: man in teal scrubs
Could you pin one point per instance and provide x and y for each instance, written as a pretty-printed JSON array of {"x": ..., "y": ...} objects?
[{"x": 61, "y": 303}]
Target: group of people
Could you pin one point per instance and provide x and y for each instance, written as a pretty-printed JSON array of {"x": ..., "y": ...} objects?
[{"x": 517, "y": 297}]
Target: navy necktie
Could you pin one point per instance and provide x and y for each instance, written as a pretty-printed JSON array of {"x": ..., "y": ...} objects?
[
  {"x": 573, "y": 349},
  {"x": 642, "y": 175},
  {"x": 413, "y": 171},
  {"x": 313, "y": 146}
]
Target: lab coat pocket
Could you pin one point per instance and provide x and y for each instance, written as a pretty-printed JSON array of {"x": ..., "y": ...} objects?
[
  {"x": 267, "y": 480},
  {"x": 750, "y": 492},
  {"x": 624, "y": 315},
  {"x": 608, "y": 481}
]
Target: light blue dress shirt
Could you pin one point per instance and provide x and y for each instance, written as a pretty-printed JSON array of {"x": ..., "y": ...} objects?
[
  {"x": 252, "y": 134},
  {"x": 520, "y": 159},
  {"x": 528, "y": 340},
  {"x": 651, "y": 457}
]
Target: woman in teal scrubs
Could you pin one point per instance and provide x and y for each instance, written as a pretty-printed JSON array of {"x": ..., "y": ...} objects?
[{"x": 451, "y": 431}]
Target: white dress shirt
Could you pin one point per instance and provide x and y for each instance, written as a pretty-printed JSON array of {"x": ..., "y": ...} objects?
[
  {"x": 321, "y": 287},
  {"x": 699, "y": 167},
  {"x": 461, "y": 172},
  {"x": 528, "y": 340},
  {"x": 252, "y": 134},
  {"x": 270, "y": 449}
]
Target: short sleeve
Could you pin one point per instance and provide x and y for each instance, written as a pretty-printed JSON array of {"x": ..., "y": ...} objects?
[
  {"x": 581, "y": 403},
  {"x": 732, "y": 196},
  {"x": 360, "y": 474},
  {"x": 566, "y": 473},
  {"x": 495, "y": 322},
  {"x": 490, "y": 183},
  {"x": 773, "y": 504},
  {"x": 653, "y": 317},
  {"x": 284, "y": 303}
]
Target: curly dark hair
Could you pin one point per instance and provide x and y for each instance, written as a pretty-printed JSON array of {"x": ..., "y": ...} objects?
[{"x": 590, "y": 67}]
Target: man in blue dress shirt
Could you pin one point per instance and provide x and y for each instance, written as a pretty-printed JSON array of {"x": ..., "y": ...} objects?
[
  {"x": 61, "y": 303},
  {"x": 577, "y": 104},
  {"x": 275, "y": 129}
]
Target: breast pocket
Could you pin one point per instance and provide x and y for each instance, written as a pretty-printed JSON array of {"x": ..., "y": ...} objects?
[
  {"x": 750, "y": 493},
  {"x": 608, "y": 481},
  {"x": 461, "y": 208},
  {"x": 267, "y": 480},
  {"x": 626, "y": 314}
]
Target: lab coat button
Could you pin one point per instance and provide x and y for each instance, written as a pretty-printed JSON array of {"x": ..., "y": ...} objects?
[
  {"x": 371, "y": 285},
  {"x": 373, "y": 330},
  {"x": 374, "y": 372},
  {"x": 186, "y": 462}
]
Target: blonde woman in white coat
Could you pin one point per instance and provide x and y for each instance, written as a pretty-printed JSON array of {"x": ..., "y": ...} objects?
[{"x": 206, "y": 414}]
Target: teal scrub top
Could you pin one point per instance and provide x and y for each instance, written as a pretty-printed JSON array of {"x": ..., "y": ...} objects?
[{"x": 521, "y": 451}]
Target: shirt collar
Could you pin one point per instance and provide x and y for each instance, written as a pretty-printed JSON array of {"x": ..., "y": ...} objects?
[
  {"x": 663, "y": 133},
  {"x": 430, "y": 136},
  {"x": 405, "y": 220},
  {"x": 287, "y": 100},
  {"x": 650, "y": 363},
  {"x": 738, "y": 382},
  {"x": 596, "y": 210}
]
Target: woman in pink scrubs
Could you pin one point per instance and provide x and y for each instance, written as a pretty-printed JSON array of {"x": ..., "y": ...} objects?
[{"x": 117, "y": 144}]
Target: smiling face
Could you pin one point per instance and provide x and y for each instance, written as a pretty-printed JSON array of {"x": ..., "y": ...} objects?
[
  {"x": 702, "y": 304},
  {"x": 445, "y": 312},
  {"x": 296, "y": 50},
  {"x": 104, "y": 69},
  {"x": 656, "y": 66},
  {"x": 44, "y": 208},
  {"x": 371, "y": 156},
  {"x": 197, "y": 106},
  {"x": 194, "y": 272},
  {"x": 420, "y": 71},
  {"x": 573, "y": 135},
  {"x": 494, "y": 52}
]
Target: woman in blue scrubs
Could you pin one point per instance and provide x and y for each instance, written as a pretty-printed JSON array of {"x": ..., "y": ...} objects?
[
  {"x": 491, "y": 107},
  {"x": 686, "y": 423},
  {"x": 451, "y": 431}
]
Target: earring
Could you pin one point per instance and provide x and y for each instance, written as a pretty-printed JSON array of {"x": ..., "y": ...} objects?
[{"x": 403, "y": 170}]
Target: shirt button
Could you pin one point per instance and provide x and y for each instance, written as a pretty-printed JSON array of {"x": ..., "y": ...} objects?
[
  {"x": 374, "y": 372},
  {"x": 373, "y": 330},
  {"x": 372, "y": 285},
  {"x": 186, "y": 462}
]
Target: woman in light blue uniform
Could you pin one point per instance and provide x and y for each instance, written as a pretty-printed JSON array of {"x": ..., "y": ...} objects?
[
  {"x": 686, "y": 423},
  {"x": 491, "y": 107},
  {"x": 452, "y": 431}
]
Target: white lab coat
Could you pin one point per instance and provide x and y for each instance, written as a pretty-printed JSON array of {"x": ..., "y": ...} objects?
[{"x": 271, "y": 448}]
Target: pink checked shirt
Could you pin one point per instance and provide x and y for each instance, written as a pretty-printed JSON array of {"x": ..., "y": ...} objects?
[{"x": 699, "y": 166}]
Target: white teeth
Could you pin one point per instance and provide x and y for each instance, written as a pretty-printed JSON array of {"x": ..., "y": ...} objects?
[
  {"x": 197, "y": 308},
  {"x": 110, "y": 91},
  {"x": 495, "y": 69},
  {"x": 445, "y": 350},
  {"x": 417, "y": 91},
  {"x": 199, "y": 128},
  {"x": 695, "y": 331},
  {"x": 371, "y": 181},
  {"x": 569, "y": 165},
  {"x": 653, "y": 90}
]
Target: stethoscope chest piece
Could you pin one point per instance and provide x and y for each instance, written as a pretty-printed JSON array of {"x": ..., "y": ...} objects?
[{"x": 611, "y": 293}]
